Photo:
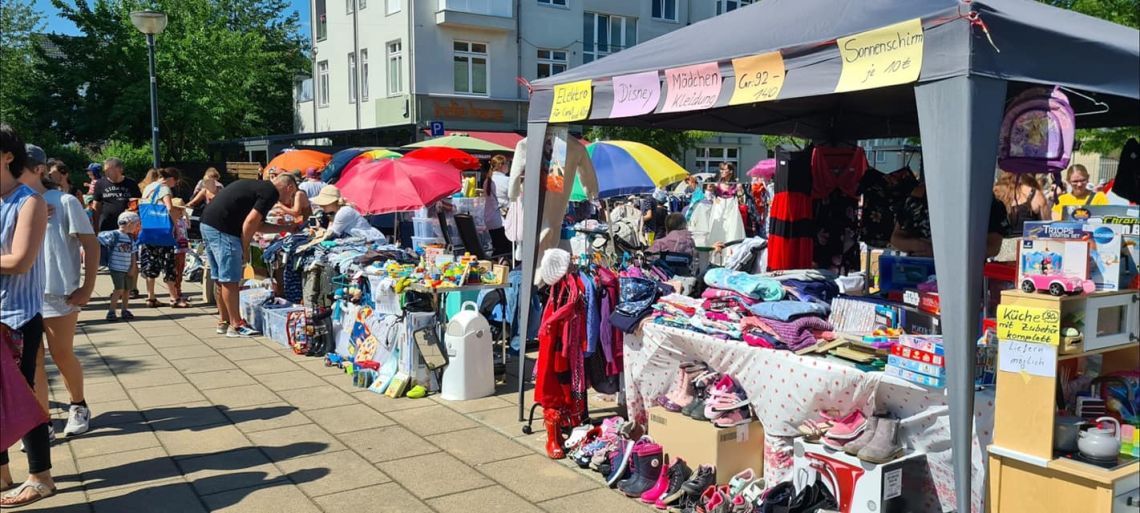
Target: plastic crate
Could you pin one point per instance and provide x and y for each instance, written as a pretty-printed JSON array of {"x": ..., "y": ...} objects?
[
  {"x": 473, "y": 206},
  {"x": 250, "y": 302},
  {"x": 427, "y": 228},
  {"x": 277, "y": 322}
]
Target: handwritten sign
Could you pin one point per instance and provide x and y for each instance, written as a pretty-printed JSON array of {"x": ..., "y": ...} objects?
[
  {"x": 1029, "y": 324},
  {"x": 1027, "y": 358},
  {"x": 758, "y": 78},
  {"x": 882, "y": 57},
  {"x": 635, "y": 94},
  {"x": 572, "y": 101},
  {"x": 692, "y": 87}
]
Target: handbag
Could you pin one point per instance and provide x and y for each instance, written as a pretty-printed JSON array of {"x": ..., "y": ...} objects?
[
  {"x": 19, "y": 409},
  {"x": 156, "y": 227}
]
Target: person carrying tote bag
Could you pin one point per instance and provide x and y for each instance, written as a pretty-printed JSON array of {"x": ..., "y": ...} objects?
[{"x": 156, "y": 238}]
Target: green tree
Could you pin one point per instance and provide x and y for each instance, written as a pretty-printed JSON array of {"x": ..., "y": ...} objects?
[
  {"x": 1124, "y": 12},
  {"x": 19, "y": 23},
  {"x": 672, "y": 143},
  {"x": 225, "y": 69}
]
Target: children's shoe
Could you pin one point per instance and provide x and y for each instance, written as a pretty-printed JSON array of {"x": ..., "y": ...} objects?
[
  {"x": 737, "y": 417},
  {"x": 884, "y": 447},
  {"x": 854, "y": 446},
  {"x": 222, "y": 327},
  {"x": 111, "y": 317},
  {"x": 78, "y": 420},
  {"x": 679, "y": 472},
  {"x": 417, "y": 392},
  {"x": 126, "y": 315},
  {"x": 740, "y": 481},
  {"x": 847, "y": 428}
]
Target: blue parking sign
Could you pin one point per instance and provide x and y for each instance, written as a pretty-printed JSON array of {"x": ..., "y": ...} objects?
[{"x": 437, "y": 128}]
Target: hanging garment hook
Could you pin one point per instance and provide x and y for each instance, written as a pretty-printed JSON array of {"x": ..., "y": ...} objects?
[{"x": 1102, "y": 107}]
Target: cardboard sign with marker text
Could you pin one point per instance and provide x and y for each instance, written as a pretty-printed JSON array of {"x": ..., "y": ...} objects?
[
  {"x": 1029, "y": 324},
  {"x": 882, "y": 57},
  {"x": 758, "y": 78}
]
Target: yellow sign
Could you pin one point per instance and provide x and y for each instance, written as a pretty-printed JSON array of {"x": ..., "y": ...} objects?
[
  {"x": 1029, "y": 324},
  {"x": 758, "y": 78},
  {"x": 882, "y": 57},
  {"x": 572, "y": 101}
]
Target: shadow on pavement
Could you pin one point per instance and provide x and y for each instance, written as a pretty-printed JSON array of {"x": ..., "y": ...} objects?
[
  {"x": 179, "y": 497},
  {"x": 178, "y": 418}
]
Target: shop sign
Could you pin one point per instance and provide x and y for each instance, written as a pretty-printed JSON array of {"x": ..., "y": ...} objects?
[
  {"x": 882, "y": 57},
  {"x": 466, "y": 110},
  {"x": 572, "y": 101},
  {"x": 692, "y": 87},
  {"x": 1029, "y": 324},
  {"x": 759, "y": 78},
  {"x": 635, "y": 94}
]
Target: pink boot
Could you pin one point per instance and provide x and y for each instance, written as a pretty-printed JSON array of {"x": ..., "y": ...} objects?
[{"x": 659, "y": 488}]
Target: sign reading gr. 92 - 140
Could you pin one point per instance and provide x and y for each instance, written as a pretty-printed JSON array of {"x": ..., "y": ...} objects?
[
  {"x": 572, "y": 101},
  {"x": 1029, "y": 324}
]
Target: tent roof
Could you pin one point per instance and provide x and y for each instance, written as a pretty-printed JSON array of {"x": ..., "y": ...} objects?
[{"x": 1039, "y": 44}]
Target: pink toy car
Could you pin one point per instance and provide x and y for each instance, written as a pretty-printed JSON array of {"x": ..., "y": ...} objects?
[{"x": 1056, "y": 284}]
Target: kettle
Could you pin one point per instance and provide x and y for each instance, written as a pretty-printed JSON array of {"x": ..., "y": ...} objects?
[{"x": 1101, "y": 443}]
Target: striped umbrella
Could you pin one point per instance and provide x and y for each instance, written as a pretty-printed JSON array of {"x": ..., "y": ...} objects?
[{"x": 626, "y": 167}]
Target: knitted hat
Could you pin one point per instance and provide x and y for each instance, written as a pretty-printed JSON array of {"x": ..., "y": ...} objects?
[{"x": 555, "y": 263}]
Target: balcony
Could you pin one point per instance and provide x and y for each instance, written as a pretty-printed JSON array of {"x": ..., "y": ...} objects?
[{"x": 493, "y": 15}]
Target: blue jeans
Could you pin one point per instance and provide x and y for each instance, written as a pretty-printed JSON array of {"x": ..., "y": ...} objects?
[{"x": 224, "y": 254}]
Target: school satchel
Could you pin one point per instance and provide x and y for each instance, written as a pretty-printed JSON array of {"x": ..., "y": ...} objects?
[{"x": 157, "y": 229}]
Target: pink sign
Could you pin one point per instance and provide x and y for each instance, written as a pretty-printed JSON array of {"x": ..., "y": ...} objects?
[
  {"x": 635, "y": 94},
  {"x": 692, "y": 87}
]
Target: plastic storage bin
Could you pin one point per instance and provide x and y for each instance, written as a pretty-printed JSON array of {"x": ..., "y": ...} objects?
[
  {"x": 277, "y": 322},
  {"x": 426, "y": 228},
  {"x": 420, "y": 242},
  {"x": 473, "y": 206},
  {"x": 470, "y": 372},
  {"x": 250, "y": 302}
]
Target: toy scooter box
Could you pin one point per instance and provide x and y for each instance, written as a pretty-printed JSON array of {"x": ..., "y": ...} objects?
[
  {"x": 701, "y": 443},
  {"x": 1104, "y": 243}
]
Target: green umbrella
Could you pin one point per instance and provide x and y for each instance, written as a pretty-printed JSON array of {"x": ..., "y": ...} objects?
[{"x": 461, "y": 142}]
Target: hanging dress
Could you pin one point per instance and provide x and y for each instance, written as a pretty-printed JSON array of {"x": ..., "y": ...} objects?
[{"x": 793, "y": 224}]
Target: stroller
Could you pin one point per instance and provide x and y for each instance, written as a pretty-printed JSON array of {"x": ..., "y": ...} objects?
[{"x": 195, "y": 264}]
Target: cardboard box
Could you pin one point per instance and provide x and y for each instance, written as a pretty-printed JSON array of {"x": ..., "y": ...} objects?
[
  {"x": 915, "y": 377},
  {"x": 917, "y": 355},
  {"x": 927, "y": 369},
  {"x": 701, "y": 443}
]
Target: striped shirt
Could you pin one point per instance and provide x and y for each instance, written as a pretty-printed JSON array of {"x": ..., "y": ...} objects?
[
  {"x": 119, "y": 247},
  {"x": 21, "y": 295}
]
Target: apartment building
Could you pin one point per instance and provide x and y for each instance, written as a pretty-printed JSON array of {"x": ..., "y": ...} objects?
[{"x": 380, "y": 63}]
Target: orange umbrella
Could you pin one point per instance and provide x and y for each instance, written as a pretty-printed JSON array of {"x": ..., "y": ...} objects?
[
  {"x": 296, "y": 161},
  {"x": 456, "y": 157}
]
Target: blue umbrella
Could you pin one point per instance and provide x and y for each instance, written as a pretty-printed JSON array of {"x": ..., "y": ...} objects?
[{"x": 342, "y": 158}]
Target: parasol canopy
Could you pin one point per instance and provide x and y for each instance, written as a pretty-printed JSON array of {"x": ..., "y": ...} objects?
[
  {"x": 458, "y": 158},
  {"x": 397, "y": 185},
  {"x": 341, "y": 160},
  {"x": 765, "y": 168},
  {"x": 296, "y": 161},
  {"x": 626, "y": 167},
  {"x": 461, "y": 142}
]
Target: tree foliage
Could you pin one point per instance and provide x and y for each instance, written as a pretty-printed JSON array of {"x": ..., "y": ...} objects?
[
  {"x": 672, "y": 143},
  {"x": 19, "y": 23},
  {"x": 225, "y": 69}
]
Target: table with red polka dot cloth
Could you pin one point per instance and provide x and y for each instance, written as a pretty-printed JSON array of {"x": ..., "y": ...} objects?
[{"x": 786, "y": 389}]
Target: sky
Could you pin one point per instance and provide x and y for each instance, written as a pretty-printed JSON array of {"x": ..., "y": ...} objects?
[{"x": 60, "y": 25}]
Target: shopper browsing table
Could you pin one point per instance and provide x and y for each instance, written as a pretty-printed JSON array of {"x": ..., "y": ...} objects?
[
  {"x": 228, "y": 226},
  {"x": 155, "y": 259},
  {"x": 346, "y": 221}
]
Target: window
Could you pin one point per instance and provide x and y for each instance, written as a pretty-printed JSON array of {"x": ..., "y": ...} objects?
[
  {"x": 364, "y": 74},
  {"x": 561, "y": 3},
  {"x": 603, "y": 34},
  {"x": 348, "y": 6},
  {"x": 710, "y": 158},
  {"x": 393, "y": 7},
  {"x": 323, "y": 83},
  {"x": 665, "y": 10},
  {"x": 723, "y": 6},
  {"x": 470, "y": 64},
  {"x": 551, "y": 62},
  {"x": 320, "y": 22},
  {"x": 395, "y": 68},
  {"x": 351, "y": 78},
  {"x": 304, "y": 90},
  {"x": 362, "y": 4}
]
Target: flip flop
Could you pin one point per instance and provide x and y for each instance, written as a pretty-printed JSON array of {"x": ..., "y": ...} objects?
[{"x": 42, "y": 491}]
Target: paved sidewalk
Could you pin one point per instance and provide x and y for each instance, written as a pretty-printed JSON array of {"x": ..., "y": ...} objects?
[{"x": 189, "y": 421}]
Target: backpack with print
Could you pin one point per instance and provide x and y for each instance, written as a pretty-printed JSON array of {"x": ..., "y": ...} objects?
[{"x": 1037, "y": 132}]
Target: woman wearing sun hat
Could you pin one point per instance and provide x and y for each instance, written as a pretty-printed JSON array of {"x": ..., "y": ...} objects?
[{"x": 346, "y": 221}]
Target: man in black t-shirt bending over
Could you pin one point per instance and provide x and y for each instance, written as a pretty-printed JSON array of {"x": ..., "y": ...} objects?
[{"x": 228, "y": 225}]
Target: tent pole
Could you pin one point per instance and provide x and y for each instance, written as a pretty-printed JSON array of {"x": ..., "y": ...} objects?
[
  {"x": 532, "y": 207},
  {"x": 959, "y": 120}
]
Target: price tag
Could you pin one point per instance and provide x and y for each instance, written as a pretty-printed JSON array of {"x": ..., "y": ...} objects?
[
  {"x": 892, "y": 484},
  {"x": 758, "y": 78},
  {"x": 1029, "y": 324},
  {"x": 572, "y": 101},
  {"x": 882, "y": 57},
  {"x": 911, "y": 297}
]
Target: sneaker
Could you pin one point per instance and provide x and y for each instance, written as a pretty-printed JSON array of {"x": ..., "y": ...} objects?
[
  {"x": 111, "y": 317},
  {"x": 222, "y": 327},
  {"x": 243, "y": 331},
  {"x": 78, "y": 421},
  {"x": 846, "y": 428},
  {"x": 127, "y": 315}
]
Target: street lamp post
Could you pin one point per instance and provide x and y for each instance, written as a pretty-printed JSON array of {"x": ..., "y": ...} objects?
[{"x": 151, "y": 23}]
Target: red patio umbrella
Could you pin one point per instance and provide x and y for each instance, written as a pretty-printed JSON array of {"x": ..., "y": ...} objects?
[
  {"x": 397, "y": 185},
  {"x": 458, "y": 158}
]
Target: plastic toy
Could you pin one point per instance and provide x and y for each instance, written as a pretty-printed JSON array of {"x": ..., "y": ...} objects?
[{"x": 1056, "y": 284}]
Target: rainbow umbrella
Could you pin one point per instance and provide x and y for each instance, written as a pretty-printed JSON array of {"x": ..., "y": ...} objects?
[
  {"x": 342, "y": 159},
  {"x": 626, "y": 167}
]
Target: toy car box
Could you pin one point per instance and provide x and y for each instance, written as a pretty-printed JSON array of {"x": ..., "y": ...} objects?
[{"x": 1102, "y": 244}]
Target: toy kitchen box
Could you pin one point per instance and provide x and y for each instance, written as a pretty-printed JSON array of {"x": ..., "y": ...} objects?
[
  {"x": 1124, "y": 220},
  {"x": 1071, "y": 254}
]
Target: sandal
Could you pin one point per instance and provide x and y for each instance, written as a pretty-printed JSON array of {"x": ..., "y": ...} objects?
[
  {"x": 152, "y": 303},
  {"x": 42, "y": 491},
  {"x": 181, "y": 303},
  {"x": 813, "y": 430}
]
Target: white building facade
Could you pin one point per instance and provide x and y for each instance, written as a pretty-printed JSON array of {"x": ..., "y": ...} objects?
[{"x": 379, "y": 63}]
